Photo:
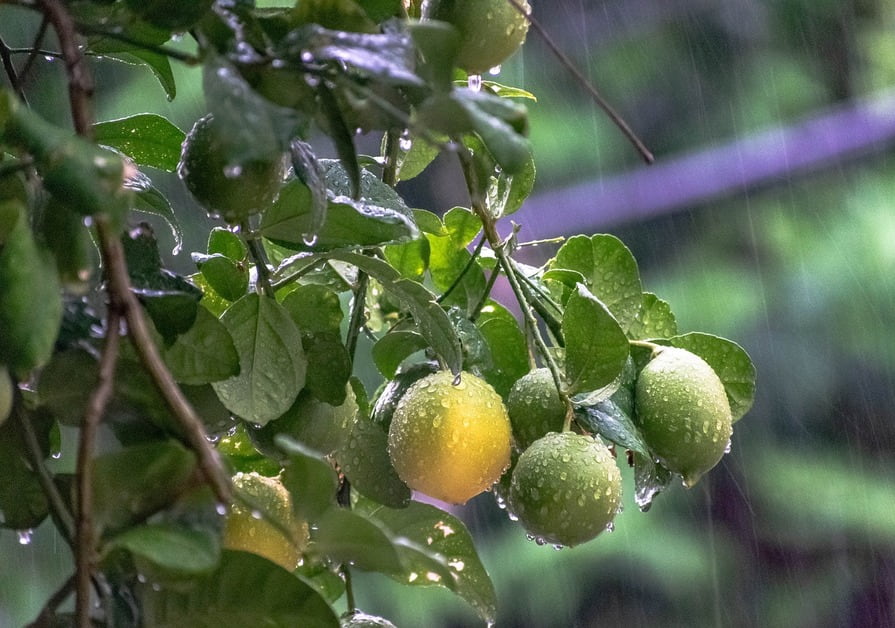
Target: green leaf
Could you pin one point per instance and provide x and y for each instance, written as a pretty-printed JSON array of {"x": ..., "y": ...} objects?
[
  {"x": 310, "y": 172},
  {"x": 394, "y": 347},
  {"x": 228, "y": 278},
  {"x": 655, "y": 319},
  {"x": 171, "y": 548},
  {"x": 650, "y": 479},
  {"x": 245, "y": 590},
  {"x": 30, "y": 300},
  {"x": 509, "y": 353},
  {"x": 148, "y": 199},
  {"x": 366, "y": 463},
  {"x": 329, "y": 366},
  {"x": 151, "y": 475},
  {"x": 289, "y": 221},
  {"x": 224, "y": 242},
  {"x": 596, "y": 346},
  {"x": 609, "y": 421},
  {"x": 310, "y": 478},
  {"x": 23, "y": 504},
  {"x": 348, "y": 537},
  {"x": 147, "y": 138},
  {"x": 272, "y": 362},
  {"x": 610, "y": 273},
  {"x": 65, "y": 385},
  {"x": 411, "y": 259},
  {"x": 392, "y": 392},
  {"x": 444, "y": 534},
  {"x": 731, "y": 363},
  {"x": 315, "y": 309},
  {"x": 432, "y": 321},
  {"x": 505, "y": 91},
  {"x": 411, "y": 163},
  {"x": 203, "y": 354}
]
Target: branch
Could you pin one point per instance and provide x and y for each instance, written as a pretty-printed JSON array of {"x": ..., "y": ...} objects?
[
  {"x": 10, "y": 70},
  {"x": 601, "y": 102},
  {"x": 85, "y": 534}
]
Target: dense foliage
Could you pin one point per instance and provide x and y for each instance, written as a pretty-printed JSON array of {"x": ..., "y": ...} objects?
[{"x": 174, "y": 383}]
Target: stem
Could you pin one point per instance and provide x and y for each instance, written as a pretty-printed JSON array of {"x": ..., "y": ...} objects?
[
  {"x": 10, "y": 70},
  {"x": 35, "y": 50},
  {"x": 183, "y": 57},
  {"x": 466, "y": 267},
  {"x": 61, "y": 514},
  {"x": 260, "y": 259},
  {"x": 492, "y": 279},
  {"x": 349, "y": 590},
  {"x": 85, "y": 534},
  {"x": 646, "y": 344},
  {"x": 357, "y": 314},
  {"x": 595, "y": 95},
  {"x": 48, "y": 612},
  {"x": 390, "y": 152}
]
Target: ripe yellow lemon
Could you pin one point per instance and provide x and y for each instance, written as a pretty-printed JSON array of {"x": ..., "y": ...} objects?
[
  {"x": 490, "y": 30},
  {"x": 450, "y": 442},
  {"x": 250, "y": 533},
  {"x": 683, "y": 412},
  {"x": 566, "y": 488}
]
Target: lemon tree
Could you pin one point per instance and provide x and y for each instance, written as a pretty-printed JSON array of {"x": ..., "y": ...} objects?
[{"x": 328, "y": 361}]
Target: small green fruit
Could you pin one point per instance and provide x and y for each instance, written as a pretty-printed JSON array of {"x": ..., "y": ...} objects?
[
  {"x": 683, "y": 412},
  {"x": 490, "y": 30},
  {"x": 232, "y": 191},
  {"x": 534, "y": 407},
  {"x": 566, "y": 488}
]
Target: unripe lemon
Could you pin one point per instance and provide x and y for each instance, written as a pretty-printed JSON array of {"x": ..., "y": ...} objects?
[
  {"x": 566, "y": 488},
  {"x": 683, "y": 412},
  {"x": 231, "y": 191},
  {"x": 490, "y": 30},
  {"x": 450, "y": 442},
  {"x": 243, "y": 531},
  {"x": 362, "y": 620},
  {"x": 534, "y": 407}
]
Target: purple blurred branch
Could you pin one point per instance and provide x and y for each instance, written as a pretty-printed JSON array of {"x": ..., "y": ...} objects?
[{"x": 825, "y": 140}]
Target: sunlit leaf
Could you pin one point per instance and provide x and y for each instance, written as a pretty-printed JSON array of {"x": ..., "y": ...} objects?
[{"x": 147, "y": 138}]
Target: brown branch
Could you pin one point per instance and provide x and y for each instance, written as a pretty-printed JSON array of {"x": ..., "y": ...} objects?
[
  {"x": 80, "y": 81},
  {"x": 595, "y": 95},
  {"x": 85, "y": 534}
]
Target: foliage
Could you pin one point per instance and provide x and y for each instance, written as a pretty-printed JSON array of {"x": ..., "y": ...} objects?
[{"x": 257, "y": 350}]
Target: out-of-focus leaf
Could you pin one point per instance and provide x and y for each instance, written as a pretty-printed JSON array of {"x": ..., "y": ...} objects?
[
  {"x": 205, "y": 353},
  {"x": 366, "y": 463},
  {"x": 311, "y": 480},
  {"x": 174, "y": 549}
]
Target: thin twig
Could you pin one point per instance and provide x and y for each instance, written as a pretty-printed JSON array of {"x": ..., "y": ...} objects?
[
  {"x": 35, "y": 49},
  {"x": 85, "y": 534},
  {"x": 466, "y": 268},
  {"x": 183, "y": 57},
  {"x": 357, "y": 313},
  {"x": 10, "y": 70},
  {"x": 601, "y": 102},
  {"x": 47, "y": 614}
]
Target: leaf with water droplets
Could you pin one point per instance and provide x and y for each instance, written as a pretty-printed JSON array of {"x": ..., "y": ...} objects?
[
  {"x": 147, "y": 138},
  {"x": 610, "y": 273},
  {"x": 655, "y": 319},
  {"x": 443, "y": 534},
  {"x": 366, "y": 463},
  {"x": 729, "y": 361},
  {"x": 650, "y": 479},
  {"x": 609, "y": 421},
  {"x": 309, "y": 478}
]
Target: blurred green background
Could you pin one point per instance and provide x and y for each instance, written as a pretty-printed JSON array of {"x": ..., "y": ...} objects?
[{"x": 769, "y": 219}]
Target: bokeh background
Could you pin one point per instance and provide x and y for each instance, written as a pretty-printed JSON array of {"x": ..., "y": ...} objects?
[{"x": 769, "y": 218}]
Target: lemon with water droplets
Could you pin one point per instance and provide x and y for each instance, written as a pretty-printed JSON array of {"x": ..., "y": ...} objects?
[
  {"x": 450, "y": 442},
  {"x": 257, "y": 534},
  {"x": 232, "y": 191},
  {"x": 683, "y": 412},
  {"x": 566, "y": 488},
  {"x": 490, "y": 30},
  {"x": 534, "y": 407}
]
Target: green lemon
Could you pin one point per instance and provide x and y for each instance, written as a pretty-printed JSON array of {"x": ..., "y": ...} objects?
[
  {"x": 362, "y": 620},
  {"x": 449, "y": 441},
  {"x": 490, "y": 30},
  {"x": 313, "y": 423},
  {"x": 534, "y": 407},
  {"x": 231, "y": 191},
  {"x": 683, "y": 412},
  {"x": 255, "y": 532},
  {"x": 566, "y": 488}
]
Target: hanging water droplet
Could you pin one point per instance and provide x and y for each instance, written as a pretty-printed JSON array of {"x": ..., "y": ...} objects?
[
  {"x": 474, "y": 82},
  {"x": 494, "y": 71},
  {"x": 56, "y": 455},
  {"x": 405, "y": 143},
  {"x": 25, "y": 536},
  {"x": 310, "y": 239},
  {"x": 221, "y": 509},
  {"x": 232, "y": 171}
]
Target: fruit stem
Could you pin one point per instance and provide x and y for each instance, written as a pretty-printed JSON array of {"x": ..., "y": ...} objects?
[
  {"x": 260, "y": 259},
  {"x": 475, "y": 254},
  {"x": 646, "y": 344},
  {"x": 357, "y": 313}
]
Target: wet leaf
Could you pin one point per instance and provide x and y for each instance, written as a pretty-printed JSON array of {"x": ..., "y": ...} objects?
[
  {"x": 147, "y": 138},
  {"x": 174, "y": 549}
]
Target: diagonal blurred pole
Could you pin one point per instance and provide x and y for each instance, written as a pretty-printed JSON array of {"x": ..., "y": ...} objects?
[{"x": 674, "y": 183}]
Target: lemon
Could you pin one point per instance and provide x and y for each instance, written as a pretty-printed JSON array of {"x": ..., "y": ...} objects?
[
  {"x": 230, "y": 191},
  {"x": 257, "y": 534},
  {"x": 566, "y": 488},
  {"x": 450, "y": 442},
  {"x": 683, "y": 412},
  {"x": 534, "y": 407},
  {"x": 490, "y": 30}
]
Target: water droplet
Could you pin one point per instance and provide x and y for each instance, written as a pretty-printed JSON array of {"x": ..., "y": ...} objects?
[
  {"x": 405, "y": 143},
  {"x": 56, "y": 455},
  {"x": 310, "y": 239},
  {"x": 256, "y": 514},
  {"x": 474, "y": 81},
  {"x": 25, "y": 536},
  {"x": 221, "y": 509},
  {"x": 494, "y": 71},
  {"x": 232, "y": 171},
  {"x": 610, "y": 527}
]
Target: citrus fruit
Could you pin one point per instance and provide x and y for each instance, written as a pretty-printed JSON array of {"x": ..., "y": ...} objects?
[
  {"x": 566, "y": 488},
  {"x": 313, "y": 423},
  {"x": 534, "y": 407},
  {"x": 450, "y": 442},
  {"x": 490, "y": 30},
  {"x": 683, "y": 412},
  {"x": 362, "y": 620},
  {"x": 231, "y": 191},
  {"x": 257, "y": 534}
]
